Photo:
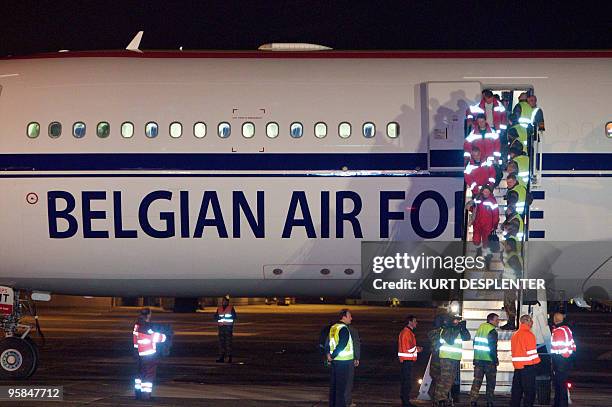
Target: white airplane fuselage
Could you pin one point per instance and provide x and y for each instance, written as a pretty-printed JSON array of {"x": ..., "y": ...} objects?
[{"x": 195, "y": 216}]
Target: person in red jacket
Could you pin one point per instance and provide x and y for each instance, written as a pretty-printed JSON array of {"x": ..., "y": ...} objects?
[
  {"x": 145, "y": 343},
  {"x": 486, "y": 219},
  {"x": 493, "y": 109},
  {"x": 485, "y": 139},
  {"x": 562, "y": 349},
  {"x": 478, "y": 174},
  {"x": 407, "y": 351}
]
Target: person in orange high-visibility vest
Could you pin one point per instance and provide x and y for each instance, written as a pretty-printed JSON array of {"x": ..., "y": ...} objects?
[
  {"x": 524, "y": 358},
  {"x": 225, "y": 317},
  {"x": 407, "y": 350},
  {"x": 562, "y": 349},
  {"x": 145, "y": 343}
]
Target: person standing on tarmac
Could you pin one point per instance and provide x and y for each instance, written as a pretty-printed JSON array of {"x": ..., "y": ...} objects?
[
  {"x": 407, "y": 351},
  {"x": 343, "y": 359},
  {"x": 451, "y": 350},
  {"x": 225, "y": 317},
  {"x": 485, "y": 359},
  {"x": 562, "y": 349},
  {"x": 524, "y": 358},
  {"x": 145, "y": 343}
]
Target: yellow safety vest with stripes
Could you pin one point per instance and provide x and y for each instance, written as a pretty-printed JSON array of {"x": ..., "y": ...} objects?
[
  {"x": 522, "y": 197},
  {"x": 523, "y": 136},
  {"x": 528, "y": 114},
  {"x": 482, "y": 351},
  {"x": 334, "y": 338},
  {"x": 522, "y": 162},
  {"x": 451, "y": 350}
]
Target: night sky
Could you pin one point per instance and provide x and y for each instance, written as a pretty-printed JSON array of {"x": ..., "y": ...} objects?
[{"x": 28, "y": 27}]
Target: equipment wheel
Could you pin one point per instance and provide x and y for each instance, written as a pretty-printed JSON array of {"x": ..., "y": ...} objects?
[{"x": 18, "y": 358}]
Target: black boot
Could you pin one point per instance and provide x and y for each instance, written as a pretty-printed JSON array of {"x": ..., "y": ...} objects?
[
  {"x": 489, "y": 404},
  {"x": 473, "y": 404},
  {"x": 229, "y": 359},
  {"x": 508, "y": 327},
  {"x": 221, "y": 359}
]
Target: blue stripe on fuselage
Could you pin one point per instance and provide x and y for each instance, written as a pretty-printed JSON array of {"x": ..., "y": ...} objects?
[{"x": 274, "y": 161}]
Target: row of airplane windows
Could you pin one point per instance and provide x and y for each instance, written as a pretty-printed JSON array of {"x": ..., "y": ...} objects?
[{"x": 224, "y": 130}]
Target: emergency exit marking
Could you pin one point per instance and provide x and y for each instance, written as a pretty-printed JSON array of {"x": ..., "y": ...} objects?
[{"x": 32, "y": 198}]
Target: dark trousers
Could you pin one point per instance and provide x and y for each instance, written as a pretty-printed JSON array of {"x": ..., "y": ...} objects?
[
  {"x": 480, "y": 371},
  {"x": 226, "y": 333},
  {"x": 406, "y": 380},
  {"x": 147, "y": 372},
  {"x": 523, "y": 387},
  {"x": 341, "y": 383},
  {"x": 560, "y": 383}
]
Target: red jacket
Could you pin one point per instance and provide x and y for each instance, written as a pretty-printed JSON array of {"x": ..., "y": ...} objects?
[
  {"x": 478, "y": 175},
  {"x": 489, "y": 145},
  {"x": 145, "y": 339},
  {"x": 407, "y": 346},
  {"x": 487, "y": 213},
  {"x": 500, "y": 121},
  {"x": 562, "y": 342}
]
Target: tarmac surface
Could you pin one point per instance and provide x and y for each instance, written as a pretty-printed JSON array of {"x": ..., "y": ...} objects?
[{"x": 276, "y": 358}]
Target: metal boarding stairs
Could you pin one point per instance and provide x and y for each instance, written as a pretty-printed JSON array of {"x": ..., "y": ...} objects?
[{"x": 477, "y": 304}]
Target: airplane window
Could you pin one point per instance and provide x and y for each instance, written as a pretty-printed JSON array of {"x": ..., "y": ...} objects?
[
  {"x": 272, "y": 130},
  {"x": 103, "y": 130},
  {"x": 344, "y": 130},
  {"x": 224, "y": 130},
  {"x": 248, "y": 130},
  {"x": 151, "y": 129},
  {"x": 369, "y": 130},
  {"x": 296, "y": 130},
  {"x": 176, "y": 129},
  {"x": 393, "y": 130},
  {"x": 320, "y": 130},
  {"x": 55, "y": 129},
  {"x": 78, "y": 130},
  {"x": 608, "y": 129},
  {"x": 33, "y": 130},
  {"x": 199, "y": 129},
  {"x": 127, "y": 129}
]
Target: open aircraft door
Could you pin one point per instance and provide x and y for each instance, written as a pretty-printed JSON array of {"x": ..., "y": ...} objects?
[{"x": 443, "y": 118}]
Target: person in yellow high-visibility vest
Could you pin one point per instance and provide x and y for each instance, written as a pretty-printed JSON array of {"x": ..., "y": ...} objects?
[
  {"x": 342, "y": 356},
  {"x": 518, "y": 156},
  {"x": 451, "y": 350},
  {"x": 485, "y": 359}
]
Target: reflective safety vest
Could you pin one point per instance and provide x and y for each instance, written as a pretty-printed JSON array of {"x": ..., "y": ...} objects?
[
  {"x": 522, "y": 161},
  {"x": 520, "y": 234},
  {"x": 146, "y": 342},
  {"x": 407, "y": 346},
  {"x": 562, "y": 342},
  {"x": 528, "y": 114},
  {"x": 509, "y": 271},
  {"x": 522, "y": 197},
  {"x": 524, "y": 348},
  {"x": 452, "y": 350},
  {"x": 334, "y": 338},
  {"x": 224, "y": 315},
  {"x": 523, "y": 136},
  {"x": 482, "y": 351}
]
